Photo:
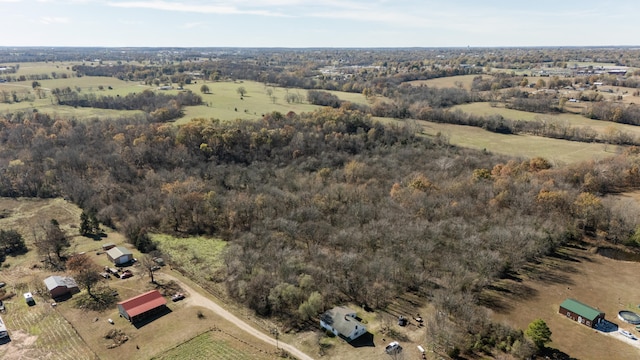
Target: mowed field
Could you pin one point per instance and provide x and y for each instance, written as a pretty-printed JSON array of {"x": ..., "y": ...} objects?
[
  {"x": 462, "y": 81},
  {"x": 67, "y": 332},
  {"x": 572, "y": 272}
]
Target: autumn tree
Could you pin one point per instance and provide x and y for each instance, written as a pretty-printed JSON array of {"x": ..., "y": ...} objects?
[
  {"x": 86, "y": 272},
  {"x": 52, "y": 241}
]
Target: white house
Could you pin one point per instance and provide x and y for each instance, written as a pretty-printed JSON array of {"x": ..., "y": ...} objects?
[
  {"x": 119, "y": 255},
  {"x": 342, "y": 322}
]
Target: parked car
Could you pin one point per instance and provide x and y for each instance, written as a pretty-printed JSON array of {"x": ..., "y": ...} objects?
[
  {"x": 393, "y": 348},
  {"x": 126, "y": 274},
  {"x": 2, "y": 285},
  {"x": 177, "y": 297},
  {"x": 628, "y": 334}
]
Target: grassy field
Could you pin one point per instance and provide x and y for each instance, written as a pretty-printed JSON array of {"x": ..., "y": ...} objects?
[
  {"x": 578, "y": 273},
  {"x": 559, "y": 152},
  {"x": 560, "y": 119},
  {"x": 463, "y": 81},
  {"x": 195, "y": 254},
  {"x": 223, "y": 102}
]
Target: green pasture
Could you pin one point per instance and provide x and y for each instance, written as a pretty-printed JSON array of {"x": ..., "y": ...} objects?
[
  {"x": 196, "y": 255},
  {"x": 224, "y": 103},
  {"x": 37, "y": 68},
  {"x": 449, "y": 82},
  {"x": 562, "y": 119},
  {"x": 557, "y": 151}
]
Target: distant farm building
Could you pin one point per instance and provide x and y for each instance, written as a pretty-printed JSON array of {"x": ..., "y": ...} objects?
[
  {"x": 342, "y": 322},
  {"x": 119, "y": 255},
  {"x": 108, "y": 246},
  {"x": 142, "y": 306},
  {"x": 581, "y": 313},
  {"x": 59, "y": 286}
]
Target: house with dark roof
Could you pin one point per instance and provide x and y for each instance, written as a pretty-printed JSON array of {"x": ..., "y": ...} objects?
[
  {"x": 142, "y": 306},
  {"x": 342, "y": 322},
  {"x": 59, "y": 286},
  {"x": 584, "y": 314},
  {"x": 119, "y": 255}
]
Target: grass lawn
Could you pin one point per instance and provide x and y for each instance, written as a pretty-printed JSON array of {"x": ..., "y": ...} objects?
[{"x": 578, "y": 273}]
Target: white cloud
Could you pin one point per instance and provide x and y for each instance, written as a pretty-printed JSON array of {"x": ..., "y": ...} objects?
[
  {"x": 53, "y": 20},
  {"x": 194, "y": 8},
  {"x": 193, "y": 25}
]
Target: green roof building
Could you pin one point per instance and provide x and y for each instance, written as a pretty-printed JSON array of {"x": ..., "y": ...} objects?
[{"x": 584, "y": 314}]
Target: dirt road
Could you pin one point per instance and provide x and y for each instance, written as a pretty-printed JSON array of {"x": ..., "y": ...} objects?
[{"x": 196, "y": 298}]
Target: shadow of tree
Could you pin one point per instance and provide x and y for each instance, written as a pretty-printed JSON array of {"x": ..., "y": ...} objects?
[{"x": 555, "y": 354}]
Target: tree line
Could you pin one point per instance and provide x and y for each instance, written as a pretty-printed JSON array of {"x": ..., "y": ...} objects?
[{"x": 163, "y": 107}]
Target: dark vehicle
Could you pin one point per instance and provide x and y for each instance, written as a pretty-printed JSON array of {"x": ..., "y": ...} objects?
[{"x": 393, "y": 348}]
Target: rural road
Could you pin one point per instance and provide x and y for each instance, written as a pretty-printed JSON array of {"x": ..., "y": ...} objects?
[{"x": 195, "y": 298}]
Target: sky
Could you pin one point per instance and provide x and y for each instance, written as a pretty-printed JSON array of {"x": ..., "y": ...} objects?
[{"x": 320, "y": 23}]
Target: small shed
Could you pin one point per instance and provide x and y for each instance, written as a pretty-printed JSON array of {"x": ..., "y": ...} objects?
[
  {"x": 142, "y": 306},
  {"x": 108, "y": 246},
  {"x": 582, "y": 313},
  {"x": 61, "y": 285},
  {"x": 120, "y": 255}
]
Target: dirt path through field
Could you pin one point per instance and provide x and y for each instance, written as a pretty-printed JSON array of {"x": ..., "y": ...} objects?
[{"x": 196, "y": 298}]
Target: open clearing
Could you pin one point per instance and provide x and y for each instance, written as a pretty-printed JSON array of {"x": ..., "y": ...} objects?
[
  {"x": 572, "y": 272},
  {"x": 557, "y": 151},
  {"x": 460, "y": 81},
  {"x": 573, "y": 120}
]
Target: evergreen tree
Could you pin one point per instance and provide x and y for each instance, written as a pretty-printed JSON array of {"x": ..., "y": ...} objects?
[{"x": 539, "y": 333}]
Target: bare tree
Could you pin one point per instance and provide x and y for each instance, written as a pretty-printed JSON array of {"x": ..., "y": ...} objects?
[{"x": 149, "y": 264}]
